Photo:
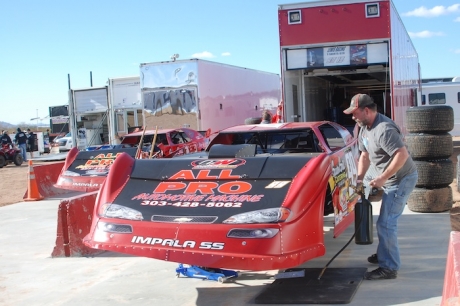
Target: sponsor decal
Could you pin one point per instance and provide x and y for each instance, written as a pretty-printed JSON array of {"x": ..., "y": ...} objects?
[
  {"x": 85, "y": 184},
  {"x": 218, "y": 163},
  {"x": 190, "y": 244},
  {"x": 233, "y": 187},
  {"x": 342, "y": 182},
  {"x": 197, "y": 190},
  {"x": 277, "y": 184},
  {"x": 101, "y": 161}
]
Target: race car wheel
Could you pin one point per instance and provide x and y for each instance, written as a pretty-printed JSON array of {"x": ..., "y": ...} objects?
[
  {"x": 430, "y": 200},
  {"x": 435, "y": 173},
  {"x": 2, "y": 161},
  {"x": 430, "y": 119},
  {"x": 255, "y": 120},
  {"x": 429, "y": 146},
  {"x": 17, "y": 159},
  {"x": 220, "y": 279}
]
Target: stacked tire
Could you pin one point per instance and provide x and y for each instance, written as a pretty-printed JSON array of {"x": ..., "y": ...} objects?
[{"x": 430, "y": 146}]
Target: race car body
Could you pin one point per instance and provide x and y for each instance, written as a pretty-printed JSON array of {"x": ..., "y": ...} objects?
[
  {"x": 255, "y": 199},
  {"x": 86, "y": 170}
]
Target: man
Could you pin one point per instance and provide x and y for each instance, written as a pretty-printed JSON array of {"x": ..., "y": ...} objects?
[
  {"x": 30, "y": 142},
  {"x": 381, "y": 144},
  {"x": 21, "y": 139},
  {"x": 5, "y": 138},
  {"x": 266, "y": 117}
]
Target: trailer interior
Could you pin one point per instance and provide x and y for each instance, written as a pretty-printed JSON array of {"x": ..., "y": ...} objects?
[{"x": 326, "y": 92}]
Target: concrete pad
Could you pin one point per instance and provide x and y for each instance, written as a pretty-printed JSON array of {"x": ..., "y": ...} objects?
[
  {"x": 50, "y": 157},
  {"x": 30, "y": 276}
]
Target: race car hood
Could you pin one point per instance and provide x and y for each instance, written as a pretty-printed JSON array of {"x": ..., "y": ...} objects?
[
  {"x": 201, "y": 190},
  {"x": 87, "y": 170}
]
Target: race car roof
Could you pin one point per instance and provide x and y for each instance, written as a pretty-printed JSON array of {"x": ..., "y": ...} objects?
[
  {"x": 150, "y": 132},
  {"x": 272, "y": 126}
]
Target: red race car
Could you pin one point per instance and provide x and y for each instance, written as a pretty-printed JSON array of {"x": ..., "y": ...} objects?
[
  {"x": 254, "y": 200},
  {"x": 86, "y": 170}
]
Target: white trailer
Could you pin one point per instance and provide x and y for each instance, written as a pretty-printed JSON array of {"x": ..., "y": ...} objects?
[
  {"x": 100, "y": 115},
  {"x": 124, "y": 106},
  {"x": 205, "y": 95},
  {"x": 444, "y": 93},
  {"x": 88, "y": 110}
]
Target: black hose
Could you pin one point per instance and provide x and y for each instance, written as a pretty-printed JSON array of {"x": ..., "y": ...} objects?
[{"x": 340, "y": 251}]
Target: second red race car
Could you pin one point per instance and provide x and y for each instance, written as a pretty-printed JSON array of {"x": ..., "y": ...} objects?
[
  {"x": 254, "y": 200},
  {"x": 87, "y": 170}
]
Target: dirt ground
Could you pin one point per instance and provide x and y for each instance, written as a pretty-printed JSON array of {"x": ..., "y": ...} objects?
[
  {"x": 14, "y": 183},
  {"x": 14, "y": 180}
]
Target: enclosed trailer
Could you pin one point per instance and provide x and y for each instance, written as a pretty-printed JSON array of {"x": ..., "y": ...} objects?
[
  {"x": 88, "y": 110},
  {"x": 444, "y": 93},
  {"x": 332, "y": 50},
  {"x": 124, "y": 106},
  {"x": 205, "y": 95}
]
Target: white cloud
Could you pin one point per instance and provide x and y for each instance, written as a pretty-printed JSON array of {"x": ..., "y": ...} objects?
[
  {"x": 226, "y": 54},
  {"x": 457, "y": 51},
  {"x": 457, "y": 19},
  {"x": 425, "y": 34},
  {"x": 433, "y": 12},
  {"x": 204, "y": 54}
]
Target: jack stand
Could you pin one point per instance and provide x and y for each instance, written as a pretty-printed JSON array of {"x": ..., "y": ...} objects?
[{"x": 219, "y": 275}]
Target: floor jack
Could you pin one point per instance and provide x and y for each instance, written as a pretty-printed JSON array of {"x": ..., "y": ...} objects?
[{"x": 219, "y": 275}]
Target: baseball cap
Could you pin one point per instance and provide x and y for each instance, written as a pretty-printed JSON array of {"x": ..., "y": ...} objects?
[{"x": 359, "y": 100}]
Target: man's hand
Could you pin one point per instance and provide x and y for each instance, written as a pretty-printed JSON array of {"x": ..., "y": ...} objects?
[{"x": 378, "y": 182}]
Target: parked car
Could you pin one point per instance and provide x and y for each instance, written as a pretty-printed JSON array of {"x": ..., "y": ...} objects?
[
  {"x": 87, "y": 170},
  {"x": 65, "y": 143},
  {"x": 255, "y": 199}
]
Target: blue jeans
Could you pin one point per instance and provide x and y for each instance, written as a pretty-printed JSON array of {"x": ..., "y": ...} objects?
[
  {"x": 23, "y": 149},
  {"x": 393, "y": 202}
]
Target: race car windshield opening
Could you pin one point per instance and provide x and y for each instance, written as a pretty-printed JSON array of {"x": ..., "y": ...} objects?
[{"x": 292, "y": 141}]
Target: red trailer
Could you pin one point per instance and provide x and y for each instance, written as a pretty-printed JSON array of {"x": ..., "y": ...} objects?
[{"x": 331, "y": 50}]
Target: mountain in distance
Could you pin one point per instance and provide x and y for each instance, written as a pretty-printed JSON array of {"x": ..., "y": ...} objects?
[{"x": 7, "y": 125}]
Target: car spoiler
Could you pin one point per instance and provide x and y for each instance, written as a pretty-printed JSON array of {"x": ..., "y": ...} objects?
[{"x": 87, "y": 170}]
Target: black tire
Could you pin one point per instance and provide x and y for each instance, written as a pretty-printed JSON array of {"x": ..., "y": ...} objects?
[
  {"x": 430, "y": 146},
  {"x": 430, "y": 200},
  {"x": 439, "y": 173},
  {"x": 255, "y": 120},
  {"x": 430, "y": 119},
  {"x": 2, "y": 161},
  {"x": 17, "y": 159}
]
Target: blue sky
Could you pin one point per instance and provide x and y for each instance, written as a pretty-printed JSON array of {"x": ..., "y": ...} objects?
[{"x": 42, "y": 42}]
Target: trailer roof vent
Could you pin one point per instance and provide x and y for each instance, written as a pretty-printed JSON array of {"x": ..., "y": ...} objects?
[
  {"x": 372, "y": 10},
  {"x": 294, "y": 17}
]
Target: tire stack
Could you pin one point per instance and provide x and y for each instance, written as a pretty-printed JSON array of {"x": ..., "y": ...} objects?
[{"x": 430, "y": 145}]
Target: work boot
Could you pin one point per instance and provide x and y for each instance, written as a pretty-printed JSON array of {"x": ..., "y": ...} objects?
[
  {"x": 381, "y": 273},
  {"x": 373, "y": 259}
]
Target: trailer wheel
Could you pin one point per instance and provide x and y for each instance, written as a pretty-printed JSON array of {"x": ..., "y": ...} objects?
[
  {"x": 430, "y": 119},
  {"x": 254, "y": 120},
  {"x": 17, "y": 159},
  {"x": 2, "y": 161},
  {"x": 430, "y": 200},
  {"x": 437, "y": 173},
  {"x": 429, "y": 146}
]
